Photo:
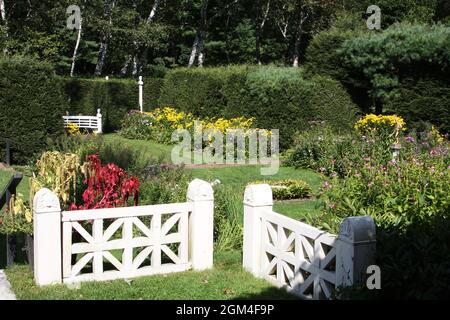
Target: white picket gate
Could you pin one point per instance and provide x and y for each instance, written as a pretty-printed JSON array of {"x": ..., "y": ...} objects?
[
  {"x": 122, "y": 243},
  {"x": 302, "y": 259}
]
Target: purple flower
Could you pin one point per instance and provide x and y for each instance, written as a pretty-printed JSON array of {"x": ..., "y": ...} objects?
[
  {"x": 334, "y": 175},
  {"x": 326, "y": 185},
  {"x": 410, "y": 139},
  {"x": 322, "y": 169}
]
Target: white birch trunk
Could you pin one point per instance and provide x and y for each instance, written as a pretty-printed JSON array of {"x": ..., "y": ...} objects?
[
  {"x": 150, "y": 19},
  {"x": 75, "y": 51},
  {"x": 193, "y": 52},
  {"x": 3, "y": 11},
  {"x": 123, "y": 71},
  {"x": 104, "y": 44},
  {"x": 201, "y": 53}
]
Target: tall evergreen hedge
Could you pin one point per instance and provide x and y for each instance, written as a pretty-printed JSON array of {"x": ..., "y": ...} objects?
[
  {"x": 114, "y": 97},
  {"x": 279, "y": 98},
  {"x": 31, "y": 106}
]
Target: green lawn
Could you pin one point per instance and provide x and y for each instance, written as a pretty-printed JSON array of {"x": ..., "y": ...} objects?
[
  {"x": 240, "y": 177},
  {"x": 23, "y": 188},
  {"x": 226, "y": 281},
  {"x": 153, "y": 149}
]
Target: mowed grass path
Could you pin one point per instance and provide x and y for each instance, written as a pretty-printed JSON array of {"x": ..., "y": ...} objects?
[{"x": 227, "y": 281}]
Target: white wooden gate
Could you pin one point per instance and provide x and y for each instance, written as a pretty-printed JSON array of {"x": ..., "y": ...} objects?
[
  {"x": 133, "y": 242},
  {"x": 304, "y": 260},
  {"x": 297, "y": 256},
  {"x": 122, "y": 243}
]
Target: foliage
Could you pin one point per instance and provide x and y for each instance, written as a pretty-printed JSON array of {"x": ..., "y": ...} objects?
[
  {"x": 160, "y": 124},
  {"x": 72, "y": 129},
  {"x": 288, "y": 189},
  {"x": 409, "y": 200},
  {"x": 32, "y": 106},
  {"x": 114, "y": 97},
  {"x": 17, "y": 218},
  {"x": 108, "y": 186},
  {"x": 423, "y": 98},
  {"x": 59, "y": 173},
  {"x": 164, "y": 184},
  {"x": 228, "y": 218},
  {"x": 270, "y": 95},
  {"x": 377, "y": 60}
]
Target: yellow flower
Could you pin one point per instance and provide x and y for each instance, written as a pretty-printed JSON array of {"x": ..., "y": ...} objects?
[{"x": 73, "y": 129}]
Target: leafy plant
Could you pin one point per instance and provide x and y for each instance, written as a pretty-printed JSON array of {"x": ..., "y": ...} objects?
[
  {"x": 288, "y": 189},
  {"x": 108, "y": 186}
]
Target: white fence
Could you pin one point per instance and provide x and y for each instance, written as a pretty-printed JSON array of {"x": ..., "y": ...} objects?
[
  {"x": 122, "y": 243},
  {"x": 304, "y": 260},
  {"x": 86, "y": 122}
]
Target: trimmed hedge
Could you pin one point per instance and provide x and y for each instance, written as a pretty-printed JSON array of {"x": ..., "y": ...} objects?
[
  {"x": 279, "y": 98},
  {"x": 114, "y": 97},
  {"x": 425, "y": 99},
  {"x": 31, "y": 106}
]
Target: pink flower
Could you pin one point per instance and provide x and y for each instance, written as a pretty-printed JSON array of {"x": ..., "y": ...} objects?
[{"x": 326, "y": 185}]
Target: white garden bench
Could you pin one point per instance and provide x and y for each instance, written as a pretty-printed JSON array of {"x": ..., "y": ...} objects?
[{"x": 86, "y": 122}]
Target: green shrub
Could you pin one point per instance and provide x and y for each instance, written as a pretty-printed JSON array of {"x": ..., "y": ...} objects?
[
  {"x": 288, "y": 189},
  {"x": 279, "y": 98},
  {"x": 114, "y": 97},
  {"x": 378, "y": 60},
  {"x": 31, "y": 106},
  {"x": 410, "y": 203},
  {"x": 203, "y": 91},
  {"x": 164, "y": 184},
  {"x": 424, "y": 99}
]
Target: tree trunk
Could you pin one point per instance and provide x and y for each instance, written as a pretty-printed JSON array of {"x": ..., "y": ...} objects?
[
  {"x": 298, "y": 40},
  {"x": 3, "y": 11},
  {"x": 104, "y": 42},
  {"x": 4, "y": 20},
  {"x": 75, "y": 51},
  {"x": 101, "y": 59},
  {"x": 260, "y": 23},
  {"x": 124, "y": 70},
  {"x": 201, "y": 47},
  {"x": 193, "y": 51},
  {"x": 144, "y": 57}
]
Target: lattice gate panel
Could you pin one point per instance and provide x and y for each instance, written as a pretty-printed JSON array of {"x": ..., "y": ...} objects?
[
  {"x": 297, "y": 257},
  {"x": 129, "y": 246}
]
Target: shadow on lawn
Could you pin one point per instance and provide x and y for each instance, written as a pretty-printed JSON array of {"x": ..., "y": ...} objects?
[{"x": 269, "y": 294}]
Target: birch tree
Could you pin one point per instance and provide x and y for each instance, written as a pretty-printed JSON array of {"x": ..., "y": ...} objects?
[
  {"x": 105, "y": 37},
  {"x": 78, "y": 23}
]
